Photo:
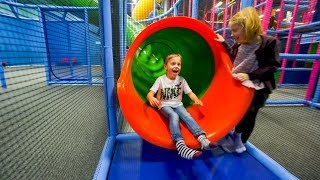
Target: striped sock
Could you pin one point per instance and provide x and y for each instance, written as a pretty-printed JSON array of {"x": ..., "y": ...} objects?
[
  {"x": 205, "y": 143},
  {"x": 186, "y": 152}
]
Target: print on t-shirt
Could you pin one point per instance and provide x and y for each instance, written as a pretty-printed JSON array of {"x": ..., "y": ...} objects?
[{"x": 171, "y": 92}]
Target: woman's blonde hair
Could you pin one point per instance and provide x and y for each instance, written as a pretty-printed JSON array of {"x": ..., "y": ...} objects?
[
  {"x": 249, "y": 19},
  {"x": 170, "y": 56}
]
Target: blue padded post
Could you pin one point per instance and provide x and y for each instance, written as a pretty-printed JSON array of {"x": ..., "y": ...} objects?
[{"x": 2, "y": 77}]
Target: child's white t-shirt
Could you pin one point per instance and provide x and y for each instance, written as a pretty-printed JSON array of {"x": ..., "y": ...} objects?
[{"x": 169, "y": 92}]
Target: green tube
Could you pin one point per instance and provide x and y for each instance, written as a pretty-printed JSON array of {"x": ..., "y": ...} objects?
[{"x": 147, "y": 64}]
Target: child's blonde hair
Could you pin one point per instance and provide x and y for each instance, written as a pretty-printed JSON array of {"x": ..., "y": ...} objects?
[
  {"x": 170, "y": 56},
  {"x": 249, "y": 19}
]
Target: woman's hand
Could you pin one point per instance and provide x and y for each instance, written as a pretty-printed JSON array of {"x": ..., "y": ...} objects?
[
  {"x": 242, "y": 76},
  {"x": 220, "y": 38}
]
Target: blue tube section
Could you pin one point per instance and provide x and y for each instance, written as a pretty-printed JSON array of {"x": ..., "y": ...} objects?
[
  {"x": 302, "y": 27},
  {"x": 286, "y": 102},
  {"x": 195, "y": 9},
  {"x": 127, "y": 137},
  {"x": 259, "y": 5},
  {"x": 103, "y": 167},
  {"x": 290, "y": 7},
  {"x": 313, "y": 104},
  {"x": 269, "y": 163},
  {"x": 46, "y": 7},
  {"x": 71, "y": 82},
  {"x": 287, "y": 85},
  {"x": 295, "y": 69},
  {"x": 108, "y": 79},
  {"x": 2, "y": 78},
  {"x": 299, "y": 56},
  {"x": 294, "y": 2}
]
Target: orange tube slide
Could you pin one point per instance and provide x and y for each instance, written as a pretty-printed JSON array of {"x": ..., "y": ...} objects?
[{"x": 225, "y": 99}]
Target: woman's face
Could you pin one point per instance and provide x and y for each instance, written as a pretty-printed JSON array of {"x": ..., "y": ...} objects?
[{"x": 237, "y": 32}]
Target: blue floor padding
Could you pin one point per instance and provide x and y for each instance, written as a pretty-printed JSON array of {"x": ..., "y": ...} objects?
[{"x": 141, "y": 160}]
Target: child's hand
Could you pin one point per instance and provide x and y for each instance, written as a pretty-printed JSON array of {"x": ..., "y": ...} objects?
[
  {"x": 154, "y": 102},
  {"x": 198, "y": 102},
  {"x": 220, "y": 38}
]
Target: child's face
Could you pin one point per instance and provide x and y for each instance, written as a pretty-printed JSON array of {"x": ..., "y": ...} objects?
[
  {"x": 237, "y": 32},
  {"x": 173, "y": 67}
]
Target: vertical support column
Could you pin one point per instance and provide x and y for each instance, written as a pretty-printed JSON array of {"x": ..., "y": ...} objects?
[
  {"x": 296, "y": 49},
  {"x": 166, "y": 5},
  {"x": 266, "y": 15},
  {"x": 238, "y": 5},
  {"x": 122, "y": 29},
  {"x": 47, "y": 59},
  {"x": 2, "y": 77},
  {"x": 205, "y": 13},
  {"x": 190, "y": 8},
  {"x": 287, "y": 49},
  {"x": 87, "y": 45},
  {"x": 105, "y": 161},
  {"x": 312, "y": 6},
  {"x": 280, "y": 17},
  {"x": 313, "y": 79},
  {"x": 316, "y": 98},
  {"x": 69, "y": 56},
  {"x": 225, "y": 14},
  {"x": 255, "y": 3},
  {"x": 195, "y": 9},
  {"x": 108, "y": 67},
  {"x": 316, "y": 14},
  {"x": 175, "y": 11},
  {"x": 213, "y": 10}
]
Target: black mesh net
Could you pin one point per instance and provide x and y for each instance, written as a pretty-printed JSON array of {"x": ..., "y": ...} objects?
[{"x": 53, "y": 115}]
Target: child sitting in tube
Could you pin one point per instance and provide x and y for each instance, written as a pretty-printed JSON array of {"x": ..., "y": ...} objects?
[{"x": 168, "y": 89}]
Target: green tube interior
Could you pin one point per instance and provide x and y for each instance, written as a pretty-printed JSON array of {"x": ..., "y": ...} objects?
[{"x": 197, "y": 60}]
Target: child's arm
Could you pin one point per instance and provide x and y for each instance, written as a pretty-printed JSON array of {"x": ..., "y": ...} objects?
[
  {"x": 154, "y": 102},
  {"x": 194, "y": 98}
]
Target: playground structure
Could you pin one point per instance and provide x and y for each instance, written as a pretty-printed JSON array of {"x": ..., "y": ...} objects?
[
  {"x": 71, "y": 49},
  {"x": 158, "y": 139},
  {"x": 139, "y": 73}
]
